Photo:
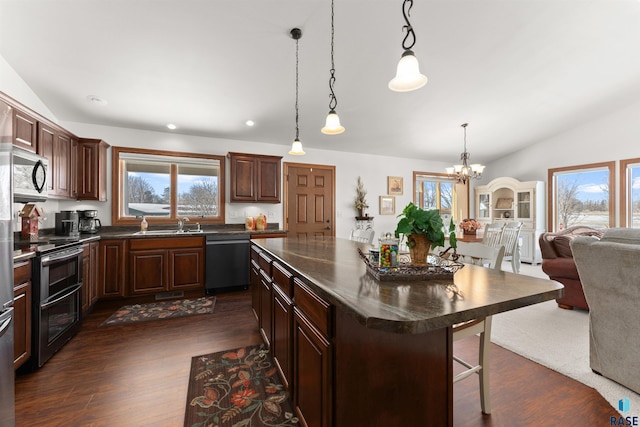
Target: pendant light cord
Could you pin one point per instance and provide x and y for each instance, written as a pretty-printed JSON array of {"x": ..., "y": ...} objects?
[
  {"x": 297, "y": 128},
  {"x": 406, "y": 12},
  {"x": 333, "y": 102}
]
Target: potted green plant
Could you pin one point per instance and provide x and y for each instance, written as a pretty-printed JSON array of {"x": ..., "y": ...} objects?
[{"x": 423, "y": 229}]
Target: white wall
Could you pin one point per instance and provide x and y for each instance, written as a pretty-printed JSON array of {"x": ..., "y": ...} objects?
[
  {"x": 13, "y": 85},
  {"x": 373, "y": 170},
  {"x": 613, "y": 137}
]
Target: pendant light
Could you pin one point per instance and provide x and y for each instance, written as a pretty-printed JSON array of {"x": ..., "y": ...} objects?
[
  {"x": 464, "y": 172},
  {"x": 296, "y": 147},
  {"x": 332, "y": 125},
  {"x": 408, "y": 75}
]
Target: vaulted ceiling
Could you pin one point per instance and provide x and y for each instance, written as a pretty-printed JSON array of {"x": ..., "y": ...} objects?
[{"x": 517, "y": 71}]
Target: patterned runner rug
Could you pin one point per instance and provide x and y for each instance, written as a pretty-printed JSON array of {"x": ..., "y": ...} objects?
[
  {"x": 161, "y": 310},
  {"x": 239, "y": 387}
]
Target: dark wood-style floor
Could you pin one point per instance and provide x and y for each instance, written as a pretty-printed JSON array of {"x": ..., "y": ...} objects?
[{"x": 137, "y": 375}]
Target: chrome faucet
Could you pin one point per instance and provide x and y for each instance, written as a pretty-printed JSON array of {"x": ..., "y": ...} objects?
[{"x": 181, "y": 224}]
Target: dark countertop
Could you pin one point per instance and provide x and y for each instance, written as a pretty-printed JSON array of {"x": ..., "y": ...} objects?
[{"x": 332, "y": 267}]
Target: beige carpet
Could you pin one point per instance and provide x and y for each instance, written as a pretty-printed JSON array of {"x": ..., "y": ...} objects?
[{"x": 557, "y": 339}]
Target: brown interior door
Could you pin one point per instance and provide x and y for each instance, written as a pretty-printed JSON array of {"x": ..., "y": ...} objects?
[{"x": 310, "y": 200}]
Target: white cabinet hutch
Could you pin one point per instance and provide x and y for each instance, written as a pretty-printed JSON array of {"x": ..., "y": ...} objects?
[{"x": 507, "y": 199}]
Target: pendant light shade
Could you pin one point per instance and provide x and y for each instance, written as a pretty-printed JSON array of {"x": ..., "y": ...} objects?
[
  {"x": 408, "y": 76},
  {"x": 296, "y": 146},
  {"x": 332, "y": 125}
]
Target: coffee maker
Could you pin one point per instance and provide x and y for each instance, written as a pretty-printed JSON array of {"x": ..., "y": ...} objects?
[
  {"x": 88, "y": 222},
  {"x": 67, "y": 224}
]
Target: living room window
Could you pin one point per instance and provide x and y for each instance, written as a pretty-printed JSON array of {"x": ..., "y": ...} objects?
[
  {"x": 581, "y": 195},
  {"x": 630, "y": 193},
  {"x": 164, "y": 186}
]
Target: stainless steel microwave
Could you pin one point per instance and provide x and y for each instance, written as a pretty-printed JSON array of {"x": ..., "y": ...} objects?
[{"x": 30, "y": 176}]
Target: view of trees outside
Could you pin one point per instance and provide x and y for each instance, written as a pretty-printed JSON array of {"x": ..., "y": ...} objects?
[
  {"x": 150, "y": 194},
  {"x": 437, "y": 195},
  {"x": 582, "y": 198},
  {"x": 634, "y": 196}
]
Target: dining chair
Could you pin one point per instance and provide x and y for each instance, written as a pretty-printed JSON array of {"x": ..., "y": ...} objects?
[
  {"x": 493, "y": 234},
  {"x": 478, "y": 254},
  {"x": 362, "y": 236},
  {"x": 511, "y": 240}
]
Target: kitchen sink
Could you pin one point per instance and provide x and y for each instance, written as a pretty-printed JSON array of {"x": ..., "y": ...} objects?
[{"x": 165, "y": 232}]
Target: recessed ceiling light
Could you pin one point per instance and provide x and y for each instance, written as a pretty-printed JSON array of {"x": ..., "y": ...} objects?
[
  {"x": 96, "y": 100},
  {"x": 172, "y": 126},
  {"x": 250, "y": 123}
]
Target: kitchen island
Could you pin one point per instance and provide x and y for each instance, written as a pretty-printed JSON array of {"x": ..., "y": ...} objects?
[{"x": 357, "y": 351}]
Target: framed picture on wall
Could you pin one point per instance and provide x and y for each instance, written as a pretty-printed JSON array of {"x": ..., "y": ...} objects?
[
  {"x": 394, "y": 185},
  {"x": 387, "y": 205}
]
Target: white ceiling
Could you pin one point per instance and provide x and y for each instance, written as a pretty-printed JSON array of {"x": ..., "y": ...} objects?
[{"x": 517, "y": 70}]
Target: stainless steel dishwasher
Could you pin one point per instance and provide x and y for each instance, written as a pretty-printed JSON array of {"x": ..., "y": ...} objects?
[{"x": 227, "y": 266}]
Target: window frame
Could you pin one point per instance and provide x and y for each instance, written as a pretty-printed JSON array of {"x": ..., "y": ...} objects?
[
  {"x": 117, "y": 175},
  {"x": 625, "y": 191},
  {"x": 552, "y": 184},
  {"x": 458, "y": 188}
]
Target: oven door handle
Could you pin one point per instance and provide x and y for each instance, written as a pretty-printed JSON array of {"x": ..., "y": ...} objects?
[
  {"x": 50, "y": 259},
  {"x": 46, "y": 303}
]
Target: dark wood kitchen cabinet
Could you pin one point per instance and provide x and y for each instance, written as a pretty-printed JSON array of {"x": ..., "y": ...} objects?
[
  {"x": 92, "y": 169},
  {"x": 21, "y": 313},
  {"x": 254, "y": 178},
  {"x": 89, "y": 275},
  {"x": 264, "y": 321},
  {"x": 282, "y": 342},
  {"x": 111, "y": 279},
  {"x": 73, "y": 168},
  {"x": 25, "y": 131},
  {"x": 312, "y": 357},
  {"x": 161, "y": 265},
  {"x": 254, "y": 278},
  {"x": 55, "y": 144}
]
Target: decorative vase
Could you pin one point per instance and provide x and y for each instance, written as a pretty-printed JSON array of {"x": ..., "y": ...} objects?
[
  {"x": 419, "y": 246},
  {"x": 471, "y": 232},
  {"x": 361, "y": 213}
]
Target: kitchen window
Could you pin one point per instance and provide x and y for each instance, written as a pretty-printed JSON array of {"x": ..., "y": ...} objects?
[{"x": 164, "y": 186}]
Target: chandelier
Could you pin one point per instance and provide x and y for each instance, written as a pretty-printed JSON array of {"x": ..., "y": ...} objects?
[
  {"x": 408, "y": 75},
  {"x": 464, "y": 172},
  {"x": 296, "y": 146}
]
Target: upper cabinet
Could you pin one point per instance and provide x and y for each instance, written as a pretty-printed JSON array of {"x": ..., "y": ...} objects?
[
  {"x": 254, "y": 178},
  {"x": 92, "y": 169},
  {"x": 55, "y": 144},
  {"x": 507, "y": 199},
  {"x": 25, "y": 131}
]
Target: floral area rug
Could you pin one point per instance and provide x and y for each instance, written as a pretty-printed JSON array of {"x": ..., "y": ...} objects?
[
  {"x": 237, "y": 388},
  {"x": 161, "y": 310}
]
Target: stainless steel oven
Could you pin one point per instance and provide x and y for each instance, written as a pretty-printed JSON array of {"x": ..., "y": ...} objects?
[{"x": 57, "y": 301}]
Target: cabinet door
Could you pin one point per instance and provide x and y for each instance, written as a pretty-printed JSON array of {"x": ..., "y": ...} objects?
[
  {"x": 61, "y": 170},
  {"x": 21, "y": 324},
  {"x": 526, "y": 246},
  {"x": 112, "y": 276},
  {"x": 282, "y": 344},
  {"x": 86, "y": 278},
  {"x": 483, "y": 206},
  {"x": 255, "y": 289},
  {"x": 148, "y": 271},
  {"x": 73, "y": 168},
  {"x": 94, "y": 250},
  {"x": 243, "y": 178},
  {"x": 265, "y": 308},
  {"x": 312, "y": 364},
  {"x": 186, "y": 269},
  {"x": 268, "y": 180},
  {"x": 46, "y": 137},
  {"x": 524, "y": 204},
  {"x": 92, "y": 169},
  {"x": 25, "y": 131}
]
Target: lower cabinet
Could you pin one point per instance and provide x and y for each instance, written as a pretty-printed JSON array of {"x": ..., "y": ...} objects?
[
  {"x": 112, "y": 268},
  {"x": 282, "y": 340},
  {"x": 265, "y": 308},
  {"x": 21, "y": 313},
  {"x": 89, "y": 275},
  {"x": 179, "y": 265},
  {"x": 254, "y": 277}
]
